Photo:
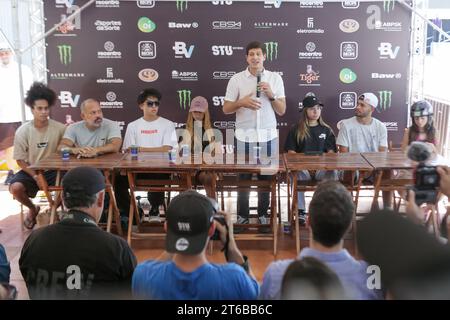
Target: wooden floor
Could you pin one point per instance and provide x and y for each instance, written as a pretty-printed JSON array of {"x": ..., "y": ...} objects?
[{"x": 259, "y": 252}]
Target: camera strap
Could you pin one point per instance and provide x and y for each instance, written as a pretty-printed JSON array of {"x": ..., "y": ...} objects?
[{"x": 227, "y": 242}]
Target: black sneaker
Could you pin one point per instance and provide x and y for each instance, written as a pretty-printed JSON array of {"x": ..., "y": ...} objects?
[
  {"x": 154, "y": 214},
  {"x": 9, "y": 177},
  {"x": 302, "y": 215}
]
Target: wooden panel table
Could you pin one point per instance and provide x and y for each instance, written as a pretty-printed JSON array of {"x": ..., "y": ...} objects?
[
  {"x": 154, "y": 162},
  {"x": 296, "y": 162},
  {"x": 236, "y": 164},
  {"x": 384, "y": 162},
  {"x": 106, "y": 163}
]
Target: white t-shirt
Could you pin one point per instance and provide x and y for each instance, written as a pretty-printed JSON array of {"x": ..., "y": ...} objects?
[
  {"x": 150, "y": 134},
  {"x": 11, "y": 102},
  {"x": 249, "y": 121},
  {"x": 358, "y": 137}
]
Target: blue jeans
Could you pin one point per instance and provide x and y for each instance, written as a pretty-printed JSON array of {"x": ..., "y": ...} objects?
[
  {"x": 267, "y": 148},
  {"x": 320, "y": 175}
]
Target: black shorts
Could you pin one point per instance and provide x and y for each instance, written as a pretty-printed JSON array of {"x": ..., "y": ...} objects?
[
  {"x": 7, "y": 132},
  {"x": 30, "y": 184}
]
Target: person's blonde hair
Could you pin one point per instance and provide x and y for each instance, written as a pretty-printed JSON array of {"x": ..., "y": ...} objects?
[
  {"x": 206, "y": 123},
  {"x": 303, "y": 126}
]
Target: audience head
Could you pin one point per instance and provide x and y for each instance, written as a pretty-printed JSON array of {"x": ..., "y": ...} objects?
[
  {"x": 331, "y": 212},
  {"x": 189, "y": 223},
  {"x": 310, "y": 279},
  {"x": 413, "y": 264},
  {"x": 91, "y": 113},
  {"x": 84, "y": 188}
]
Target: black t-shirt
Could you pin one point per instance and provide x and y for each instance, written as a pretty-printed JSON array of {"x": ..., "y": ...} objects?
[
  {"x": 53, "y": 258},
  {"x": 321, "y": 139}
]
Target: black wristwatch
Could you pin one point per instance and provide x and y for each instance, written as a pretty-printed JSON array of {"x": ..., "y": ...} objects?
[{"x": 272, "y": 99}]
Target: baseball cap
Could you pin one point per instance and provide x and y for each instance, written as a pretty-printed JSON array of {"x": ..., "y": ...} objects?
[
  {"x": 369, "y": 98},
  {"x": 311, "y": 101},
  {"x": 4, "y": 47},
  {"x": 189, "y": 217},
  {"x": 83, "y": 180},
  {"x": 199, "y": 104}
]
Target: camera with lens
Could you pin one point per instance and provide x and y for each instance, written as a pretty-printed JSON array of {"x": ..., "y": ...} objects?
[
  {"x": 218, "y": 217},
  {"x": 426, "y": 178}
]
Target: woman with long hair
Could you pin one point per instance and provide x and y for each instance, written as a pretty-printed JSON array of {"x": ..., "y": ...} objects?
[
  {"x": 199, "y": 138},
  {"x": 311, "y": 134}
]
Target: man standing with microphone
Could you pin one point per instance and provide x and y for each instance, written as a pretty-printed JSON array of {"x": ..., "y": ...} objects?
[{"x": 255, "y": 95}]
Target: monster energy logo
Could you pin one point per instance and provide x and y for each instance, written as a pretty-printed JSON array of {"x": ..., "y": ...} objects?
[
  {"x": 385, "y": 100},
  {"x": 388, "y": 5},
  {"x": 271, "y": 50},
  {"x": 184, "y": 98},
  {"x": 65, "y": 54},
  {"x": 182, "y": 5}
]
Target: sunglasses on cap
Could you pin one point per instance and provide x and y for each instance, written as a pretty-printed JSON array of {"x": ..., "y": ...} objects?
[{"x": 152, "y": 103}]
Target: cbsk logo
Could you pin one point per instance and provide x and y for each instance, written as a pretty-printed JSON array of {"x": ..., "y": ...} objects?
[
  {"x": 222, "y": 50},
  {"x": 223, "y": 75},
  {"x": 182, "y": 5},
  {"x": 226, "y": 25},
  {"x": 385, "y": 98},
  {"x": 184, "y": 98},
  {"x": 65, "y": 54},
  {"x": 67, "y": 101},
  {"x": 180, "y": 50},
  {"x": 218, "y": 101},
  {"x": 386, "y": 51},
  {"x": 146, "y": 25},
  {"x": 271, "y": 50}
]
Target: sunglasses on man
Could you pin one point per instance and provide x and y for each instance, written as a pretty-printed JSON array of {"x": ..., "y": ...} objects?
[{"x": 152, "y": 103}]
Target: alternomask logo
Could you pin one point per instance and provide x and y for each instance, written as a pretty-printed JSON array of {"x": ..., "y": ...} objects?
[
  {"x": 271, "y": 50},
  {"x": 184, "y": 98},
  {"x": 65, "y": 54}
]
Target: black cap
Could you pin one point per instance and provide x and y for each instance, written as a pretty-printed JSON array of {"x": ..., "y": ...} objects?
[
  {"x": 83, "y": 180},
  {"x": 189, "y": 217},
  {"x": 311, "y": 101}
]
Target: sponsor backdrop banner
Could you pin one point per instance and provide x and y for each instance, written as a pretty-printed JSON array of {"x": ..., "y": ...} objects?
[{"x": 114, "y": 49}]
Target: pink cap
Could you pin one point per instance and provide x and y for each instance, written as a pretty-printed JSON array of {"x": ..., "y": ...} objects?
[{"x": 199, "y": 104}]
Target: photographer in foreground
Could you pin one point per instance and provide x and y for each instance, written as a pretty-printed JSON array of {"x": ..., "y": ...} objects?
[{"x": 183, "y": 272}]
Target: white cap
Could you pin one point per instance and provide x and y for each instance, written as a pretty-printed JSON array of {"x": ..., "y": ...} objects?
[{"x": 369, "y": 98}]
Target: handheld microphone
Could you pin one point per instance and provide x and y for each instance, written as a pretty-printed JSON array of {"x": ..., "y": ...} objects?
[
  {"x": 258, "y": 80},
  {"x": 419, "y": 151}
]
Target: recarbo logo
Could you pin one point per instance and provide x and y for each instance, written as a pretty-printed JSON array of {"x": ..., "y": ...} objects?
[
  {"x": 184, "y": 98},
  {"x": 65, "y": 54},
  {"x": 271, "y": 50},
  {"x": 148, "y": 75}
]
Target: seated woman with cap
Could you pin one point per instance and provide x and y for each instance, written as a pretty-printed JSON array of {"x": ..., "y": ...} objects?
[
  {"x": 199, "y": 137},
  {"x": 311, "y": 134}
]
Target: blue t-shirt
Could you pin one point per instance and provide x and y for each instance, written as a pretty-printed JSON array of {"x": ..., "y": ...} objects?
[
  {"x": 5, "y": 270},
  {"x": 163, "y": 280}
]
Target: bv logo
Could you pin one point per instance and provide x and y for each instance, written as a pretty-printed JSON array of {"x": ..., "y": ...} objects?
[
  {"x": 385, "y": 97},
  {"x": 67, "y": 100},
  {"x": 182, "y": 5},
  {"x": 271, "y": 50},
  {"x": 65, "y": 54},
  {"x": 184, "y": 98},
  {"x": 180, "y": 50},
  {"x": 386, "y": 50}
]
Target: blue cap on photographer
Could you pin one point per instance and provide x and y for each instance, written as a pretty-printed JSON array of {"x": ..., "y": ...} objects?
[{"x": 189, "y": 219}]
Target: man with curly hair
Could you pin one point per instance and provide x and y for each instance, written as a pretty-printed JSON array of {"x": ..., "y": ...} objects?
[{"x": 33, "y": 141}]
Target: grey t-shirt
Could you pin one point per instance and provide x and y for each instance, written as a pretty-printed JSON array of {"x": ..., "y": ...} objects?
[
  {"x": 83, "y": 137},
  {"x": 358, "y": 137}
]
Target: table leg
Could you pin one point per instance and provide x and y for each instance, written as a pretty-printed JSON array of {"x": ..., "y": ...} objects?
[
  {"x": 273, "y": 209},
  {"x": 52, "y": 203},
  {"x": 133, "y": 206},
  {"x": 378, "y": 176},
  {"x": 295, "y": 211}
]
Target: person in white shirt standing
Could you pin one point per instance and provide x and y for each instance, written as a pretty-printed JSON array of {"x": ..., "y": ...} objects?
[
  {"x": 151, "y": 133},
  {"x": 363, "y": 133},
  {"x": 10, "y": 103},
  {"x": 255, "y": 95}
]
